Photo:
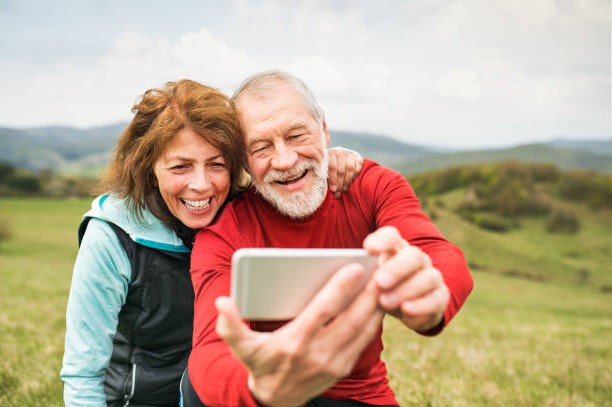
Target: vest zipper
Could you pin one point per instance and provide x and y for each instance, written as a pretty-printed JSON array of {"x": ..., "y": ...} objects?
[{"x": 128, "y": 397}]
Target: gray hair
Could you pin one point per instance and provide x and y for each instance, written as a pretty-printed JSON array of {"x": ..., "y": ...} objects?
[{"x": 261, "y": 83}]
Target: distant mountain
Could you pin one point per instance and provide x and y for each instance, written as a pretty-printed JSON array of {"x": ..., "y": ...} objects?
[
  {"x": 84, "y": 151},
  {"x": 379, "y": 148},
  {"x": 564, "y": 158},
  {"x": 58, "y": 147},
  {"x": 71, "y": 149},
  {"x": 593, "y": 146}
]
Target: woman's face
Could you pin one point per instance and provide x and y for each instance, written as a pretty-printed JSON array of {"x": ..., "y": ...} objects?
[{"x": 193, "y": 179}]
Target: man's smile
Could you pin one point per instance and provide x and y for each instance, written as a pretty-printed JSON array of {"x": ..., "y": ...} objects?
[{"x": 292, "y": 180}]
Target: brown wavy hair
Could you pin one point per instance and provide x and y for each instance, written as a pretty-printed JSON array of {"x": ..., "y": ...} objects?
[{"x": 159, "y": 115}]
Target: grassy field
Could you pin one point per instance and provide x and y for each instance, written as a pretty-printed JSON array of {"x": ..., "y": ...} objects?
[
  {"x": 36, "y": 267},
  {"x": 544, "y": 339}
]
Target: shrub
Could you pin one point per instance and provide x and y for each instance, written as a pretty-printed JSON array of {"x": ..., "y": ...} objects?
[
  {"x": 424, "y": 202},
  {"x": 24, "y": 183},
  {"x": 433, "y": 215},
  {"x": 495, "y": 223},
  {"x": 563, "y": 221},
  {"x": 7, "y": 170},
  {"x": 587, "y": 186},
  {"x": 5, "y": 230},
  {"x": 583, "y": 274},
  {"x": 440, "y": 204}
]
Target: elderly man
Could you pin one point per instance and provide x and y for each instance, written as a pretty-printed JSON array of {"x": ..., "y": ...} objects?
[{"x": 329, "y": 355}]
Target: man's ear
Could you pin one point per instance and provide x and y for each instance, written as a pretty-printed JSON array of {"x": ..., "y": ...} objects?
[{"x": 325, "y": 131}]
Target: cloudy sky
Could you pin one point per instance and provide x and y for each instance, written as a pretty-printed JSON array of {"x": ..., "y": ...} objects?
[{"x": 462, "y": 73}]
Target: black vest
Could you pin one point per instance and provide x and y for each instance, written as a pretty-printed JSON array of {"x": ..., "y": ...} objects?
[{"x": 153, "y": 338}]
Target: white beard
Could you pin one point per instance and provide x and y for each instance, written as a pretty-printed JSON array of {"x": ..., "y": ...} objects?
[{"x": 299, "y": 204}]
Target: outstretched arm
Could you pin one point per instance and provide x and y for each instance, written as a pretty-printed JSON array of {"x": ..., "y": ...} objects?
[
  {"x": 411, "y": 288},
  {"x": 424, "y": 278}
]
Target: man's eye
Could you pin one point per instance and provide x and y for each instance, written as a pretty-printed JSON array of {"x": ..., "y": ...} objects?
[
  {"x": 297, "y": 138},
  {"x": 259, "y": 149}
]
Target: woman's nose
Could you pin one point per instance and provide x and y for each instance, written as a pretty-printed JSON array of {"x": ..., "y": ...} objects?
[{"x": 199, "y": 181}]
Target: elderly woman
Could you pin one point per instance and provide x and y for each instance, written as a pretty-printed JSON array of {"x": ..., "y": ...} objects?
[{"x": 130, "y": 308}]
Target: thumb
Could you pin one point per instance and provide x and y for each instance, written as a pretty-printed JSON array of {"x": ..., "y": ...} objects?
[
  {"x": 230, "y": 326},
  {"x": 235, "y": 332}
]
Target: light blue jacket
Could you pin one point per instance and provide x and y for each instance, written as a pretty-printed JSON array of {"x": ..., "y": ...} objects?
[{"x": 100, "y": 279}]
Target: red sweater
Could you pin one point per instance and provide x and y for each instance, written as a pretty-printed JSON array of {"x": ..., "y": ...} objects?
[{"x": 378, "y": 197}]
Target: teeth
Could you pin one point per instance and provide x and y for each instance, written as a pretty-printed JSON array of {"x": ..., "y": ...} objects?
[
  {"x": 293, "y": 178},
  {"x": 197, "y": 205},
  {"x": 286, "y": 180}
]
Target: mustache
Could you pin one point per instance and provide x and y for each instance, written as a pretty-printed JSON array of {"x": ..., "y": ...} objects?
[{"x": 297, "y": 170}]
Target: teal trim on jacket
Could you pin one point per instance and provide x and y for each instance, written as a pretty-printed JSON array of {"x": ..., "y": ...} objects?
[{"x": 148, "y": 231}]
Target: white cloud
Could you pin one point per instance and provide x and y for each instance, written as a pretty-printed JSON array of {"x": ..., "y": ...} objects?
[
  {"x": 375, "y": 81},
  {"x": 461, "y": 84},
  {"x": 91, "y": 95},
  {"x": 321, "y": 75},
  {"x": 457, "y": 73}
]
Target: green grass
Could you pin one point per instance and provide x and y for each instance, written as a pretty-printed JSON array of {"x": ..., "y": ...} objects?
[
  {"x": 36, "y": 267},
  {"x": 516, "y": 342}
]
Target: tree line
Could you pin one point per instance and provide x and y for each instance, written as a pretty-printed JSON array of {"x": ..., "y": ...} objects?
[
  {"x": 19, "y": 182},
  {"x": 495, "y": 197},
  {"x": 498, "y": 195}
]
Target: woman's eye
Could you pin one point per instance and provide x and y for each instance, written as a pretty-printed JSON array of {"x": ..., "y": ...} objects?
[
  {"x": 217, "y": 165},
  {"x": 178, "y": 167}
]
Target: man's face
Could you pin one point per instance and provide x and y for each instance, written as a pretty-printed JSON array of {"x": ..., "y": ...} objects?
[{"x": 286, "y": 150}]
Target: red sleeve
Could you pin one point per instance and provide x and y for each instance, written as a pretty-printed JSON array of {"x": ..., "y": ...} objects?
[
  {"x": 218, "y": 377},
  {"x": 397, "y": 205}
]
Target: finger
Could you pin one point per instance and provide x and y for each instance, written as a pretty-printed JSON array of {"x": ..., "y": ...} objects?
[
  {"x": 332, "y": 175},
  {"x": 434, "y": 302},
  {"x": 361, "y": 309},
  {"x": 417, "y": 285},
  {"x": 355, "y": 345},
  {"x": 334, "y": 297},
  {"x": 340, "y": 176},
  {"x": 400, "y": 267},
  {"x": 230, "y": 326},
  {"x": 354, "y": 163},
  {"x": 355, "y": 328},
  {"x": 386, "y": 239},
  {"x": 426, "y": 312},
  {"x": 359, "y": 165}
]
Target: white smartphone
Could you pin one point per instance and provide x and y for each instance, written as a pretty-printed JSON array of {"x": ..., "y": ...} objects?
[{"x": 275, "y": 284}]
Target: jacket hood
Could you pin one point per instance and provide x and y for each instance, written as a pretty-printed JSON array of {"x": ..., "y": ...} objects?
[{"x": 146, "y": 230}]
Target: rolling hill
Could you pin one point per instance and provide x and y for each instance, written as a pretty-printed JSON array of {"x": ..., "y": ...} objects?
[
  {"x": 57, "y": 148},
  {"x": 84, "y": 151},
  {"x": 573, "y": 156}
]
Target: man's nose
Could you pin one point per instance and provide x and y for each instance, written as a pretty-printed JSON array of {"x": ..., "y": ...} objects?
[{"x": 284, "y": 158}]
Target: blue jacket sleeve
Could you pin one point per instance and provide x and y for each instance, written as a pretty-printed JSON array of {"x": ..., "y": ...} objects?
[{"x": 99, "y": 286}]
